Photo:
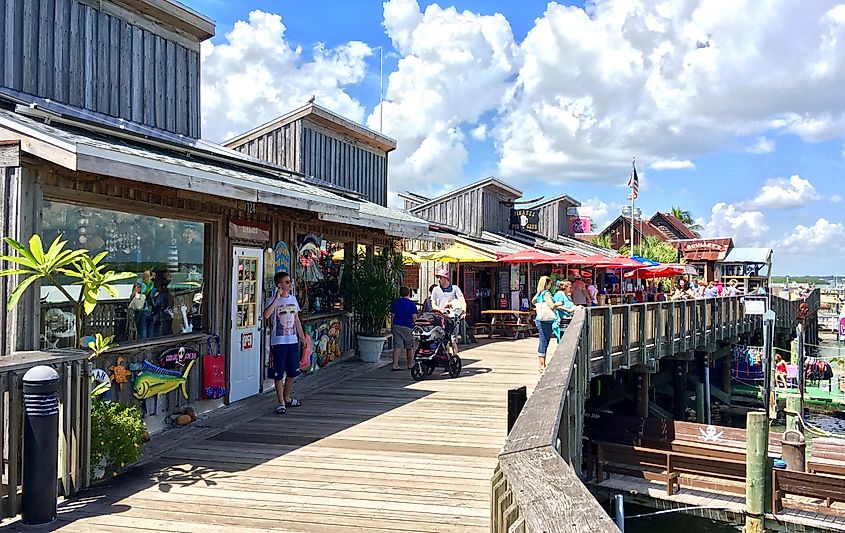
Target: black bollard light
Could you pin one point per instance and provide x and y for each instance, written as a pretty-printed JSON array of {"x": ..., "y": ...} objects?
[
  {"x": 516, "y": 401},
  {"x": 40, "y": 445}
]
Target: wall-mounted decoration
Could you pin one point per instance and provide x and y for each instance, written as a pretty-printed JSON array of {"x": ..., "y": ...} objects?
[
  {"x": 525, "y": 219},
  {"x": 582, "y": 225},
  {"x": 174, "y": 358},
  {"x": 154, "y": 380},
  {"x": 514, "y": 277},
  {"x": 327, "y": 344},
  {"x": 246, "y": 341},
  {"x": 309, "y": 258},
  {"x": 119, "y": 373},
  {"x": 101, "y": 383},
  {"x": 281, "y": 255},
  {"x": 249, "y": 230}
]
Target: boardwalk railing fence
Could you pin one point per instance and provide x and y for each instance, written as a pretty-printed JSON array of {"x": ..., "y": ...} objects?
[
  {"x": 537, "y": 484},
  {"x": 74, "y": 422}
]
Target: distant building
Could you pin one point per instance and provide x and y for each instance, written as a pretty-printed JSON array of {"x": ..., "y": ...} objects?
[
  {"x": 619, "y": 231},
  {"x": 671, "y": 227}
]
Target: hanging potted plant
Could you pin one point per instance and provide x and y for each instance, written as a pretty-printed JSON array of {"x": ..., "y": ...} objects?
[{"x": 372, "y": 283}]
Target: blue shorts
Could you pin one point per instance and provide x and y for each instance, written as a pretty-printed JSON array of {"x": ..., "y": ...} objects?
[{"x": 284, "y": 361}]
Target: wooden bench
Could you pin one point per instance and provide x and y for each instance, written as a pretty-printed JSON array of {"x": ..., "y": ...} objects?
[
  {"x": 479, "y": 327},
  {"x": 829, "y": 488},
  {"x": 827, "y": 457},
  {"x": 673, "y": 468}
]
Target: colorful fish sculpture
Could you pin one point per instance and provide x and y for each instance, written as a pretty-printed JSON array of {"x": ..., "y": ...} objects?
[{"x": 154, "y": 380}]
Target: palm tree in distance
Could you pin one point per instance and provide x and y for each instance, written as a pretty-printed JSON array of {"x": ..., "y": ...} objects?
[{"x": 686, "y": 218}]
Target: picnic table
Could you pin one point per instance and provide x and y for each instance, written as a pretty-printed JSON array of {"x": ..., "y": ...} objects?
[{"x": 509, "y": 322}]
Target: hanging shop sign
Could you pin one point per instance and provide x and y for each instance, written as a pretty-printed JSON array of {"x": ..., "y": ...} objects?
[
  {"x": 581, "y": 225},
  {"x": 249, "y": 230},
  {"x": 525, "y": 219}
]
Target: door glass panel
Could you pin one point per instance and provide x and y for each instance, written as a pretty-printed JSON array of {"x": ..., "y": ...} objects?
[{"x": 247, "y": 305}]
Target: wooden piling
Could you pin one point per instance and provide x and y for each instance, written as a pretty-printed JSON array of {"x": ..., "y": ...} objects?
[
  {"x": 756, "y": 492},
  {"x": 643, "y": 384},
  {"x": 700, "y": 406},
  {"x": 793, "y": 411},
  {"x": 679, "y": 395},
  {"x": 726, "y": 375}
]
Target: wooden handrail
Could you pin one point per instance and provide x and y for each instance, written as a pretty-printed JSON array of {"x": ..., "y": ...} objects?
[{"x": 537, "y": 484}]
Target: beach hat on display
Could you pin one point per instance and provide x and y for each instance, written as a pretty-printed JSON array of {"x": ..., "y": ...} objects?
[{"x": 443, "y": 273}]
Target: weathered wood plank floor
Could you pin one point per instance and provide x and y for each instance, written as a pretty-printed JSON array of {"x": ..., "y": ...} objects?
[{"x": 370, "y": 450}]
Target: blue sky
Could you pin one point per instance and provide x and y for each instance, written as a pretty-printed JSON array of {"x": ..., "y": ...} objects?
[{"x": 735, "y": 112}]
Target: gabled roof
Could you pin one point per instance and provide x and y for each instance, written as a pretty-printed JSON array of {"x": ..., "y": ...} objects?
[
  {"x": 681, "y": 229},
  {"x": 558, "y": 198},
  {"x": 704, "y": 249},
  {"x": 643, "y": 227},
  {"x": 491, "y": 182},
  {"x": 321, "y": 116}
]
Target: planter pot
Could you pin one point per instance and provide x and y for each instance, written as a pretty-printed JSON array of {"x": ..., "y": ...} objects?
[{"x": 370, "y": 348}]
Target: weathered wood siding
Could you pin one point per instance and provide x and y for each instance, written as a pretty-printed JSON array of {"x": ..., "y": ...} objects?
[
  {"x": 311, "y": 149},
  {"x": 497, "y": 216},
  {"x": 104, "y": 59},
  {"x": 553, "y": 219},
  {"x": 462, "y": 212}
]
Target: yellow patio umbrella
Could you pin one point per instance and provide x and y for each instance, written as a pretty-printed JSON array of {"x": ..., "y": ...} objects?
[{"x": 458, "y": 253}]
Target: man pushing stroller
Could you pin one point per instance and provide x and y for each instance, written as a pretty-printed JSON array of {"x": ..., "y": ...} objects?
[{"x": 449, "y": 300}]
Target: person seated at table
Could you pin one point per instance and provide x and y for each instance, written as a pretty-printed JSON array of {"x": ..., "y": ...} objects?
[
  {"x": 780, "y": 372},
  {"x": 682, "y": 291},
  {"x": 449, "y": 300},
  {"x": 661, "y": 293}
]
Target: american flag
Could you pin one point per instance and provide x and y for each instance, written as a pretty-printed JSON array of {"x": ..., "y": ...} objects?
[{"x": 634, "y": 184}]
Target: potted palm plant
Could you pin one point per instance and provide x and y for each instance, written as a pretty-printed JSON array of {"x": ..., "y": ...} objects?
[{"x": 371, "y": 284}]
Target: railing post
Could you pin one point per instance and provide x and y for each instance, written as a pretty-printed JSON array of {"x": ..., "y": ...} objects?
[
  {"x": 757, "y": 435},
  {"x": 608, "y": 340},
  {"x": 646, "y": 311},
  {"x": 626, "y": 336},
  {"x": 516, "y": 401},
  {"x": 670, "y": 328}
]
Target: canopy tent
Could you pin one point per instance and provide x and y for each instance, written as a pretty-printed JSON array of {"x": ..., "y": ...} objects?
[
  {"x": 526, "y": 256},
  {"x": 458, "y": 253}
]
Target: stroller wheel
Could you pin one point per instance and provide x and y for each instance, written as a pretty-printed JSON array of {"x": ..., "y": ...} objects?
[
  {"x": 429, "y": 367},
  {"x": 454, "y": 366},
  {"x": 417, "y": 371}
]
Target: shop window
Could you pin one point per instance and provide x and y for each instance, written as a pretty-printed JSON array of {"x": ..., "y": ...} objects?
[
  {"x": 319, "y": 270},
  {"x": 168, "y": 256}
]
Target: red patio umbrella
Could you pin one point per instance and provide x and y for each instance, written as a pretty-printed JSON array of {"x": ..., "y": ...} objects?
[
  {"x": 590, "y": 260},
  {"x": 618, "y": 263},
  {"x": 526, "y": 256},
  {"x": 563, "y": 258},
  {"x": 660, "y": 271}
]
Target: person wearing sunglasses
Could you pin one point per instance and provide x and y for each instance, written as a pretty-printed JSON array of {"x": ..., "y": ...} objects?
[{"x": 282, "y": 312}]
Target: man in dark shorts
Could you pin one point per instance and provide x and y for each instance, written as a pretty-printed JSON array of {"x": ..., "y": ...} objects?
[
  {"x": 281, "y": 311},
  {"x": 404, "y": 312}
]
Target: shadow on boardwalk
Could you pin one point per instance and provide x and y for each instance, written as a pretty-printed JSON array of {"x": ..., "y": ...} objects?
[{"x": 370, "y": 450}]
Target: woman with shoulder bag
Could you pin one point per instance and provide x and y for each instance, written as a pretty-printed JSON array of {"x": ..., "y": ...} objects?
[
  {"x": 141, "y": 306},
  {"x": 545, "y": 318}
]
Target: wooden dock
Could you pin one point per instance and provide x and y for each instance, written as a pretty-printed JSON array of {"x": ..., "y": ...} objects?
[{"x": 370, "y": 450}]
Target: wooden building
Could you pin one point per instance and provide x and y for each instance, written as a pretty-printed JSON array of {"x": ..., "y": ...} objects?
[
  {"x": 671, "y": 227},
  {"x": 553, "y": 218},
  {"x": 620, "y": 231},
  {"x": 213, "y": 221},
  {"x": 321, "y": 144},
  {"x": 704, "y": 254},
  {"x": 751, "y": 268}
]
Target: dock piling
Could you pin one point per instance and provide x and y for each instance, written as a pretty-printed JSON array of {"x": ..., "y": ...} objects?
[
  {"x": 757, "y": 435},
  {"x": 619, "y": 514}
]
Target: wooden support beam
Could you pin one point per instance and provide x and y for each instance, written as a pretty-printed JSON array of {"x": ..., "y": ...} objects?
[
  {"x": 700, "y": 406},
  {"x": 642, "y": 385},
  {"x": 679, "y": 392}
]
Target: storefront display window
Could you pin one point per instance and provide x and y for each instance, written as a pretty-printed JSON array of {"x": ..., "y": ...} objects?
[
  {"x": 167, "y": 254},
  {"x": 319, "y": 268}
]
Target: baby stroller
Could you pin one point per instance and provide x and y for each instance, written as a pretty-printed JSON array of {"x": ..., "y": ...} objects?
[{"x": 433, "y": 333}]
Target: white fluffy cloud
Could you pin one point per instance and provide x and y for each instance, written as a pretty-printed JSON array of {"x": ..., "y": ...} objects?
[
  {"x": 823, "y": 236},
  {"x": 784, "y": 193},
  {"x": 762, "y": 146},
  {"x": 672, "y": 164},
  {"x": 835, "y": 199},
  {"x": 602, "y": 213},
  {"x": 454, "y": 67},
  {"x": 747, "y": 228},
  {"x": 256, "y": 75}
]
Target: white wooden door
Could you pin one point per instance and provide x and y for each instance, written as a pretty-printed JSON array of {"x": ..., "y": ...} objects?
[{"x": 247, "y": 307}]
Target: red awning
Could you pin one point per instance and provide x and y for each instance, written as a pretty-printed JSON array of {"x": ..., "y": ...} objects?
[
  {"x": 590, "y": 260},
  {"x": 526, "y": 256}
]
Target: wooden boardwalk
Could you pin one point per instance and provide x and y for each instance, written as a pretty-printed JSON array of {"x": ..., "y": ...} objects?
[{"x": 370, "y": 450}]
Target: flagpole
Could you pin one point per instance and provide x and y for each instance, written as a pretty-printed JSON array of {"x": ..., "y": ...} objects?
[{"x": 633, "y": 199}]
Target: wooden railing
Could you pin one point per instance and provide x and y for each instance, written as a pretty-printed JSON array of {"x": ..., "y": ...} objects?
[
  {"x": 621, "y": 336},
  {"x": 74, "y": 422},
  {"x": 537, "y": 483}
]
